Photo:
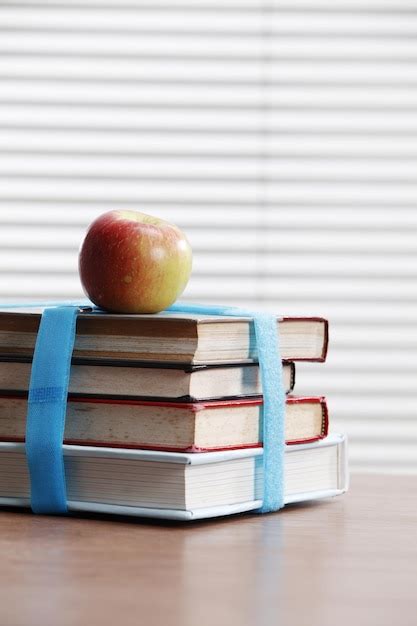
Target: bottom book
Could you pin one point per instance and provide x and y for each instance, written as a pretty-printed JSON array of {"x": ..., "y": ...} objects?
[{"x": 179, "y": 486}]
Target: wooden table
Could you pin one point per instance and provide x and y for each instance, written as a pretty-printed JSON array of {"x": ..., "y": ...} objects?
[{"x": 351, "y": 560}]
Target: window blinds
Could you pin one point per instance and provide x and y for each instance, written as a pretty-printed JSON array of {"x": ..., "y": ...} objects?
[{"x": 282, "y": 136}]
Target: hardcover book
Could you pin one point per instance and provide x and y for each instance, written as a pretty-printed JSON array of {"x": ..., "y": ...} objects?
[
  {"x": 199, "y": 426},
  {"x": 185, "y": 338},
  {"x": 149, "y": 380},
  {"x": 179, "y": 486}
]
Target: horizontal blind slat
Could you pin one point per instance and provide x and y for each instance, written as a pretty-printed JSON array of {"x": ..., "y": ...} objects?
[
  {"x": 213, "y": 20},
  {"x": 230, "y": 168}
]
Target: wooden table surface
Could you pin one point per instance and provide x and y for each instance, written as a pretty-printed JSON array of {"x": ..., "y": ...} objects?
[{"x": 351, "y": 560}]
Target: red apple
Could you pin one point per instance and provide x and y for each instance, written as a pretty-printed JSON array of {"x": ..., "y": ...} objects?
[{"x": 130, "y": 262}]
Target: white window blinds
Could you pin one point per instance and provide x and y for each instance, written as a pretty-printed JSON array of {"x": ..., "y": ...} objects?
[{"x": 282, "y": 136}]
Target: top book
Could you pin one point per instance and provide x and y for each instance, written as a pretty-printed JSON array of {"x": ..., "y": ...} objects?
[{"x": 167, "y": 337}]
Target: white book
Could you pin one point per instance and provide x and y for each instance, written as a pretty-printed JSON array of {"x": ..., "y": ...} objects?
[{"x": 178, "y": 485}]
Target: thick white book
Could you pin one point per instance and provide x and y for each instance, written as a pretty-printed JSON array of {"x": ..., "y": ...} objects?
[{"x": 178, "y": 485}]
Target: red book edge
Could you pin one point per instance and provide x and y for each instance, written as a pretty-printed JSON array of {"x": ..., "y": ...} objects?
[
  {"x": 190, "y": 406},
  {"x": 216, "y": 404}
]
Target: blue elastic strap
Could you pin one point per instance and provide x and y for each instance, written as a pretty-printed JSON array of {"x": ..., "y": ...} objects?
[
  {"x": 45, "y": 424},
  {"x": 48, "y": 399},
  {"x": 270, "y": 364}
]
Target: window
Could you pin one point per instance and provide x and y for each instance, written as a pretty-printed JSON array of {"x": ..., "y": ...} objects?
[{"x": 282, "y": 136}]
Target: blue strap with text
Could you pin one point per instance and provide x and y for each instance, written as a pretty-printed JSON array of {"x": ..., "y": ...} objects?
[{"x": 45, "y": 423}]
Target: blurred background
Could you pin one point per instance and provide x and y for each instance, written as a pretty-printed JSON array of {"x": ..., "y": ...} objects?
[{"x": 281, "y": 136}]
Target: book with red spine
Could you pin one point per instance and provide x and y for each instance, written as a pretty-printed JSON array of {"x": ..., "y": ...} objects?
[
  {"x": 167, "y": 337},
  {"x": 170, "y": 426}
]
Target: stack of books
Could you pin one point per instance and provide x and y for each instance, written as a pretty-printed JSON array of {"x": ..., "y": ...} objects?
[{"x": 164, "y": 415}]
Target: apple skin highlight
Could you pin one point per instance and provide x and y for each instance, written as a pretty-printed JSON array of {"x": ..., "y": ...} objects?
[{"x": 130, "y": 262}]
